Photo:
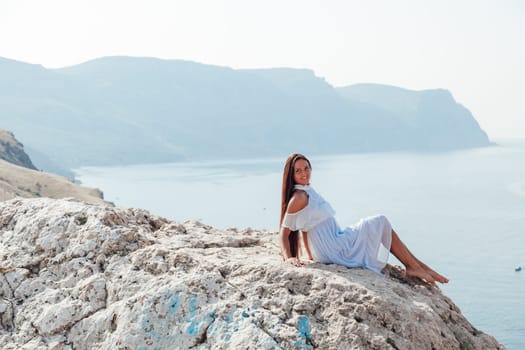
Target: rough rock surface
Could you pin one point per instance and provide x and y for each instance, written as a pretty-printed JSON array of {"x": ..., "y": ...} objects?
[
  {"x": 12, "y": 151},
  {"x": 81, "y": 276}
]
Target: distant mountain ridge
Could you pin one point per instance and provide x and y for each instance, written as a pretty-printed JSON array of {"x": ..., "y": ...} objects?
[
  {"x": 427, "y": 115},
  {"x": 126, "y": 110}
]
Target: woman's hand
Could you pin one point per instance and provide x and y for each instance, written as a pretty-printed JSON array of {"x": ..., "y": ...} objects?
[{"x": 294, "y": 261}]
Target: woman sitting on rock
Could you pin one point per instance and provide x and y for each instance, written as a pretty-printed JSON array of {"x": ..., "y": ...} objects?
[{"x": 365, "y": 244}]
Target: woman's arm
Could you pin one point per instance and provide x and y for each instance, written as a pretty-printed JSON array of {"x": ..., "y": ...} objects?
[
  {"x": 298, "y": 201},
  {"x": 284, "y": 235},
  {"x": 306, "y": 246}
]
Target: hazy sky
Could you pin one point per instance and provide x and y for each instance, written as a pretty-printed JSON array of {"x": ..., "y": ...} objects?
[{"x": 475, "y": 49}]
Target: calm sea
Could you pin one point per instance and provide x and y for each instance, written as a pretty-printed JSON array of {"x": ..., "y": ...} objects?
[{"x": 462, "y": 212}]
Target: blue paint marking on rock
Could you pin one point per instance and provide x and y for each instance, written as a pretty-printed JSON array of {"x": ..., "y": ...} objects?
[
  {"x": 236, "y": 325},
  {"x": 174, "y": 303},
  {"x": 518, "y": 269},
  {"x": 229, "y": 317},
  {"x": 226, "y": 336},
  {"x": 193, "y": 309},
  {"x": 303, "y": 327},
  {"x": 171, "y": 301},
  {"x": 304, "y": 332},
  {"x": 213, "y": 315},
  {"x": 193, "y": 328},
  {"x": 213, "y": 326},
  {"x": 226, "y": 331}
]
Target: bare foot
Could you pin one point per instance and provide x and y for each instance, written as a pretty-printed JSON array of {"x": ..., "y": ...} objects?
[
  {"x": 439, "y": 278},
  {"x": 420, "y": 273}
]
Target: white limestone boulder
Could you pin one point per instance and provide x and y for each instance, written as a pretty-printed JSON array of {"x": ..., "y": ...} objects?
[{"x": 82, "y": 276}]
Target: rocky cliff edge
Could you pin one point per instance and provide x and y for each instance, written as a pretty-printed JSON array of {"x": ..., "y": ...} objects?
[
  {"x": 83, "y": 276},
  {"x": 20, "y": 178},
  {"x": 12, "y": 151}
]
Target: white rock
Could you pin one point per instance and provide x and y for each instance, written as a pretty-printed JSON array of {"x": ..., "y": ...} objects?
[{"x": 82, "y": 276}]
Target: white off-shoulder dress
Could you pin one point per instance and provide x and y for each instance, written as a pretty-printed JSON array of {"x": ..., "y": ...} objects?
[{"x": 364, "y": 244}]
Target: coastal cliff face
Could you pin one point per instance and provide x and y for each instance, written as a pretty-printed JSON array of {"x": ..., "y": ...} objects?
[
  {"x": 12, "y": 151},
  {"x": 431, "y": 119},
  {"x": 81, "y": 276}
]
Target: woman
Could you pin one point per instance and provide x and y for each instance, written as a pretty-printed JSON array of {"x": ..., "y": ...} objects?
[{"x": 365, "y": 244}]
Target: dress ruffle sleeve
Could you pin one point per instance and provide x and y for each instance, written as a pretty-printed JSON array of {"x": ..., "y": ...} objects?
[
  {"x": 316, "y": 211},
  {"x": 295, "y": 221}
]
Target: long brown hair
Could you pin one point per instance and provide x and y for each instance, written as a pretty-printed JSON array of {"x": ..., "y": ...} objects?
[{"x": 287, "y": 193}]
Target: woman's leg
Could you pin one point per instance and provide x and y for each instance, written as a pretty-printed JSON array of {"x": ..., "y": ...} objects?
[
  {"x": 413, "y": 266},
  {"x": 438, "y": 277}
]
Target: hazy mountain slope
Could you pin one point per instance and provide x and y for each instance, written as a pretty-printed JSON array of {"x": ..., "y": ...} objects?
[
  {"x": 42, "y": 161},
  {"x": 70, "y": 121},
  {"x": 431, "y": 118},
  {"x": 121, "y": 110}
]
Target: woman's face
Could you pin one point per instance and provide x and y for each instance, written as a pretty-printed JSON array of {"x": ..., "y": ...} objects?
[{"x": 301, "y": 172}]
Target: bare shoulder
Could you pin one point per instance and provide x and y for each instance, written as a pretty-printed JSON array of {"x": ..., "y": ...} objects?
[{"x": 298, "y": 202}]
